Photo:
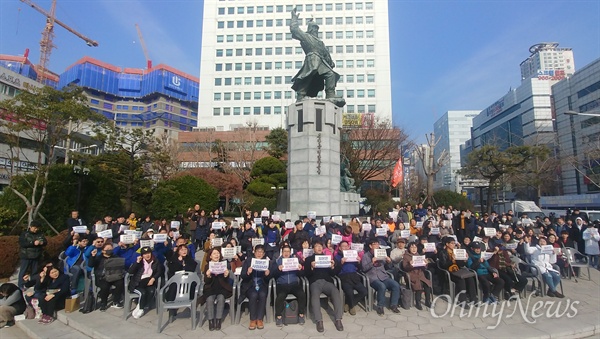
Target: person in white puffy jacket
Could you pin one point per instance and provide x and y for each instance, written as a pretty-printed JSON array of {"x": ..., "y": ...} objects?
[
  {"x": 591, "y": 238},
  {"x": 544, "y": 262}
]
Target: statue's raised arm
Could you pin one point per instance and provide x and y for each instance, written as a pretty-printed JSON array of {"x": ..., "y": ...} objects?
[{"x": 317, "y": 72}]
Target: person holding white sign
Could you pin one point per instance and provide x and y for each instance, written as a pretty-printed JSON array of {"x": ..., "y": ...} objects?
[
  {"x": 416, "y": 274},
  {"x": 375, "y": 270},
  {"x": 489, "y": 279},
  {"x": 180, "y": 260},
  {"x": 544, "y": 263},
  {"x": 246, "y": 237},
  {"x": 397, "y": 253},
  {"x": 75, "y": 256},
  {"x": 288, "y": 282},
  {"x": 272, "y": 236},
  {"x": 320, "y": 281},
  {"x": 460, "y": 275},
  {"x": 254, "y": 287},
  {"x": 144, "y": 280},
  {"x": 216, "y": 288},
  {"x": 351, "y": 280}
]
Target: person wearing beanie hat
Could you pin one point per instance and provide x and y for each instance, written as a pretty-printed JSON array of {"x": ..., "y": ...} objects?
[
  {"x": 144, "y": 273},
  {"x": 489, "y": 279},
  {"x": 31, "y": 243}
]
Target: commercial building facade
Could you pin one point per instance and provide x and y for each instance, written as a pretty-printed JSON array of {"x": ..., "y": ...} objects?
[
  {"x": 579, "y": 135},
  {"x": 249, "y": 58}
]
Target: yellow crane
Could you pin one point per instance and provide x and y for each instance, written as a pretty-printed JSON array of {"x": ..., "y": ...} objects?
[
  {"x": 47, "y": 41},
  {"x": 143, "y": 43}
]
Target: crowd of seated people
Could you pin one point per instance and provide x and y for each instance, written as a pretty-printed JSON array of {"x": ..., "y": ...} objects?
[{"x": 418, "y": 251}]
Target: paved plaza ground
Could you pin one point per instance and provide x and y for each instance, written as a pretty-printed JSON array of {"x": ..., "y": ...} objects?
[{"x": 577, "y": 316}]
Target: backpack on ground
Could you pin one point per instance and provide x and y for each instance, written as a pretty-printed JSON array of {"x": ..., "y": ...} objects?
[
  {"x": 114, "y": 269},
  {"x": 290, "y": 313},
  {"x": 405, "y": 298}
]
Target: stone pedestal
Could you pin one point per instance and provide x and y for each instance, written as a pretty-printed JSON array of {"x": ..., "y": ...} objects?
[{"x": 314, "y": 128}]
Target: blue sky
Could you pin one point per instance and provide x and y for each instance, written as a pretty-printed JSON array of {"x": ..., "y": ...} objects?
[{"x": 446, "y": 54}]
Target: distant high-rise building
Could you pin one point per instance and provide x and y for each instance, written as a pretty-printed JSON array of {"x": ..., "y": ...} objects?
[
  {"x": 548, "y": 62},
  {"x": 249, "y": 58},
  {"x": 452, "y": 129}
]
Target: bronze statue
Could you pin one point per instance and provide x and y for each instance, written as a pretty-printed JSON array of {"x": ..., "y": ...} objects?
[{"x": 317, "y": 71}]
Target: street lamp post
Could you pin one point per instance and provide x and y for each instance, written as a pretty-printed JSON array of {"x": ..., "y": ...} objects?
[{"x": 80, "y": 173}]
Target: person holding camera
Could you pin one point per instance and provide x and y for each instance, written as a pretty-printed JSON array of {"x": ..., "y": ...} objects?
[{"x": 31, "y": 243}]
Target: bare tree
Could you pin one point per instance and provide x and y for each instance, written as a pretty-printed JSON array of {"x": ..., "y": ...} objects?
[
  {"x": 588, "y": 163},
  {"x": 372, "y": 150},
  {"x": 163, "y": 154},
  {"x": 431, "y": 166}
]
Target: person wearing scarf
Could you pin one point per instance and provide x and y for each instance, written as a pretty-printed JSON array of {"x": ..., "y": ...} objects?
[{"x": 144, "y": 279}]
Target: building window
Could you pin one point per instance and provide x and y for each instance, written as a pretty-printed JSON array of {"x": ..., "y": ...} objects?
[
  {"x": 328, "y": 35},
  {"x": 250, "y": 10},
  {"x": 277, "y": 95},
  {"x": 338, "y": 7},
  {"x": 238, "y": 38},
  {"x": 360, "y": 93},
  {"x": 217, "y": 81},
  {"x": 228, "y": 67},
  {"x": 238, "y": 66},
  {"x": 230, "y": 10},
  {"x": 221, "y": 10},
  {"x": 288, "y": 94},
  {"x": 236, "y": 111},
  {"x": 298, "y": 64},
  {"x": 328, "y": 21},
  {"x": 288, "y": 65},
  {"x": 359, "y": 20},
  {"x": 268, "y": 80},
  {"x": 350, "y": 108},
  {"x": 370, "y": 63},
  {"x": 246, "y": 110},
  {"x": 277, "y": 109},
  {"x": 218, "y": 67},
  {"x": 237, "y": 81},
  {"x": 240, "y": 24},
  {"x": 319, "y": 7},
  {"x": 369, "y": 20},
  {"x": 217, "y": 97},
  {"x": 349, "y": 49},
  {"x": 269, "y": 51},
  {"x": 267, "y": 110},
  {"x": 339, "y": 35},
  {"x": 227, "y": 111},
  {"x": 349, "y": 63},
  {"x": 269, "y": 37},
  {"x": 360, "y": 48},
  {"x": 230, "y": 24},
  {"x": 370, "y": 48},
  {"x": 227, "y": 96},
  {"x": 269, "y": 22},
  {"x": 237, "y": 96},
  {"x": 349, "y": 34},
  {"x": 256, "y": 110},
  {"x": 257, "y": 80},
  {"x": 350, "y": 93},
  {"x": 361, "y": 109},
  {"x": 360, "y": 78},
  {"x": 349, "y": 20},
  {"x": 339, "y": 63},
  {"x": 216, "y": 111},
  {"x": 258, "y": 66},
  {"x": 360, "y": 63},
  {"x": 370, "y": 34},
  {"x": 370, "y": 77},
  {"x": 227, "y": 81},
  {"x": 358, "y": 5},
  {"x": 278, "y": 80},
  {"x": 250, "y": 23},
  {"x": 339, "y": 20},
  {"x": 268, "y": 65},
  {"x": 221, "y": 24},
  {"x": 247, "y": 81},
  {"x": 259, "y": 37},
  {"x": 248, "y": 66},
  {"x": 371, "y": 108},
  {"x": 368, "y": 5},
  {"x": 247, "y": 95},
  {"x": 229, "y": 52},
  {"x": 257, "y": 95},
  {"x": 220, "y": 38},
  {"x": 350, "y": 78}
]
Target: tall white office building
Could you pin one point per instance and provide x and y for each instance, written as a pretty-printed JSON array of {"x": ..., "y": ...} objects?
[
  {"x": 452, "y": 129},
  {"x": 249, "y": 58},
  {"x": 548, "y": 62}
]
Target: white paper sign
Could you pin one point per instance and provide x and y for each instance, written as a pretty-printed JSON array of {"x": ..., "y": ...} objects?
[
  {"x": 80, "y": 229},
  {"x": 216, "y": 242},
  {"x": 357, "y": 247},
  {"x": 326, "y": 219},
  {"x": 336, "y": 239},
  {"x": 511, "y": 245},
  {"x": 460, "y": 254},
  {"x": 449, "y": 216},
  {"x": 122, "y": 228},
  {"x": 240, "y": 220},
  {"x": 175, "y": 235},
  {"x": 175, "y": 224},
  {"x": 100, "y": 227},
  {"x": 146, "y": 243},
  {"x": 127, "y": 238},
  {"x": 419, "y": 224},
  {"x": 487, "y": 255},
  {"x": 393, "y": 215},
  {"x": 258, "y": 221},
  {"x": 489, "y": 231},
  {"x": 289, "y": 264},
  {"x": 217, "y": 267},
  {"x": 380, "y": 232},
  {"x": 275, "y": 217},
  {"x": 547, "y": 249},
  {"x": 105, "y": 234},
  {"x": 238, "y": 249},
  {"x": 448, "y": 223},
  {"x": 435, "y": 230},
  {"x": 320, "y": 230},
  {"x": 160, "y": 237},
  {"x": 134, "y": 233},
  {"x": 257, "y": 241},
  {"x": 504, "y": 227},
  {"x": 366, "y": 227},
  {"x": 259, "y": 264},
  {"x": 307, "y": 252},
  {"x": 217, "y": 225},
  {"x": 405, "y": 234},
  {"x": 322, "y": 261},
  {"x": 289, "y": 225},
  {"x": 477, "y": 239},
  {"x": 228, "y": 252},
  {"x": 265, "y": 214},
  {"x": 429, "y": 247},
  {"x": 338, "y": 219},
  {"x": 351, "y": 256},
  {"x": 379, "y": 253},
  {"x": 235, "y": 224},
  {"x": 311, "y": 215},
  {"x": 419, "y": 261}
]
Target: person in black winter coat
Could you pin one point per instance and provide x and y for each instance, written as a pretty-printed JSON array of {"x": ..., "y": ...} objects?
[
  {"x": 31, "y": 244},
  {"x": 254, "y": 287},
  {"x": 144, "y": 275},
  {"x": 56, "y": 286},
  {"x": 98, "y": 264},
  {"x": 179, "y": 261}
]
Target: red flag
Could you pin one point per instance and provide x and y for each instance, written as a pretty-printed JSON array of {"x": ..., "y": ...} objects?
[{"x": 398, "y": 175}]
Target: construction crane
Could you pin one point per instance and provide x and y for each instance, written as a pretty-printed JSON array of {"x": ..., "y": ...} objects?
[
  {"x": 47, "y": 42},
  {"x": 143, "y": 43}
]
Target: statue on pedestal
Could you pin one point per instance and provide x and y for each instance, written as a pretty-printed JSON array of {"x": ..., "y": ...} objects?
[
  {"x": 317, "y": 71},
  {"x": 346, "y": 180}
]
